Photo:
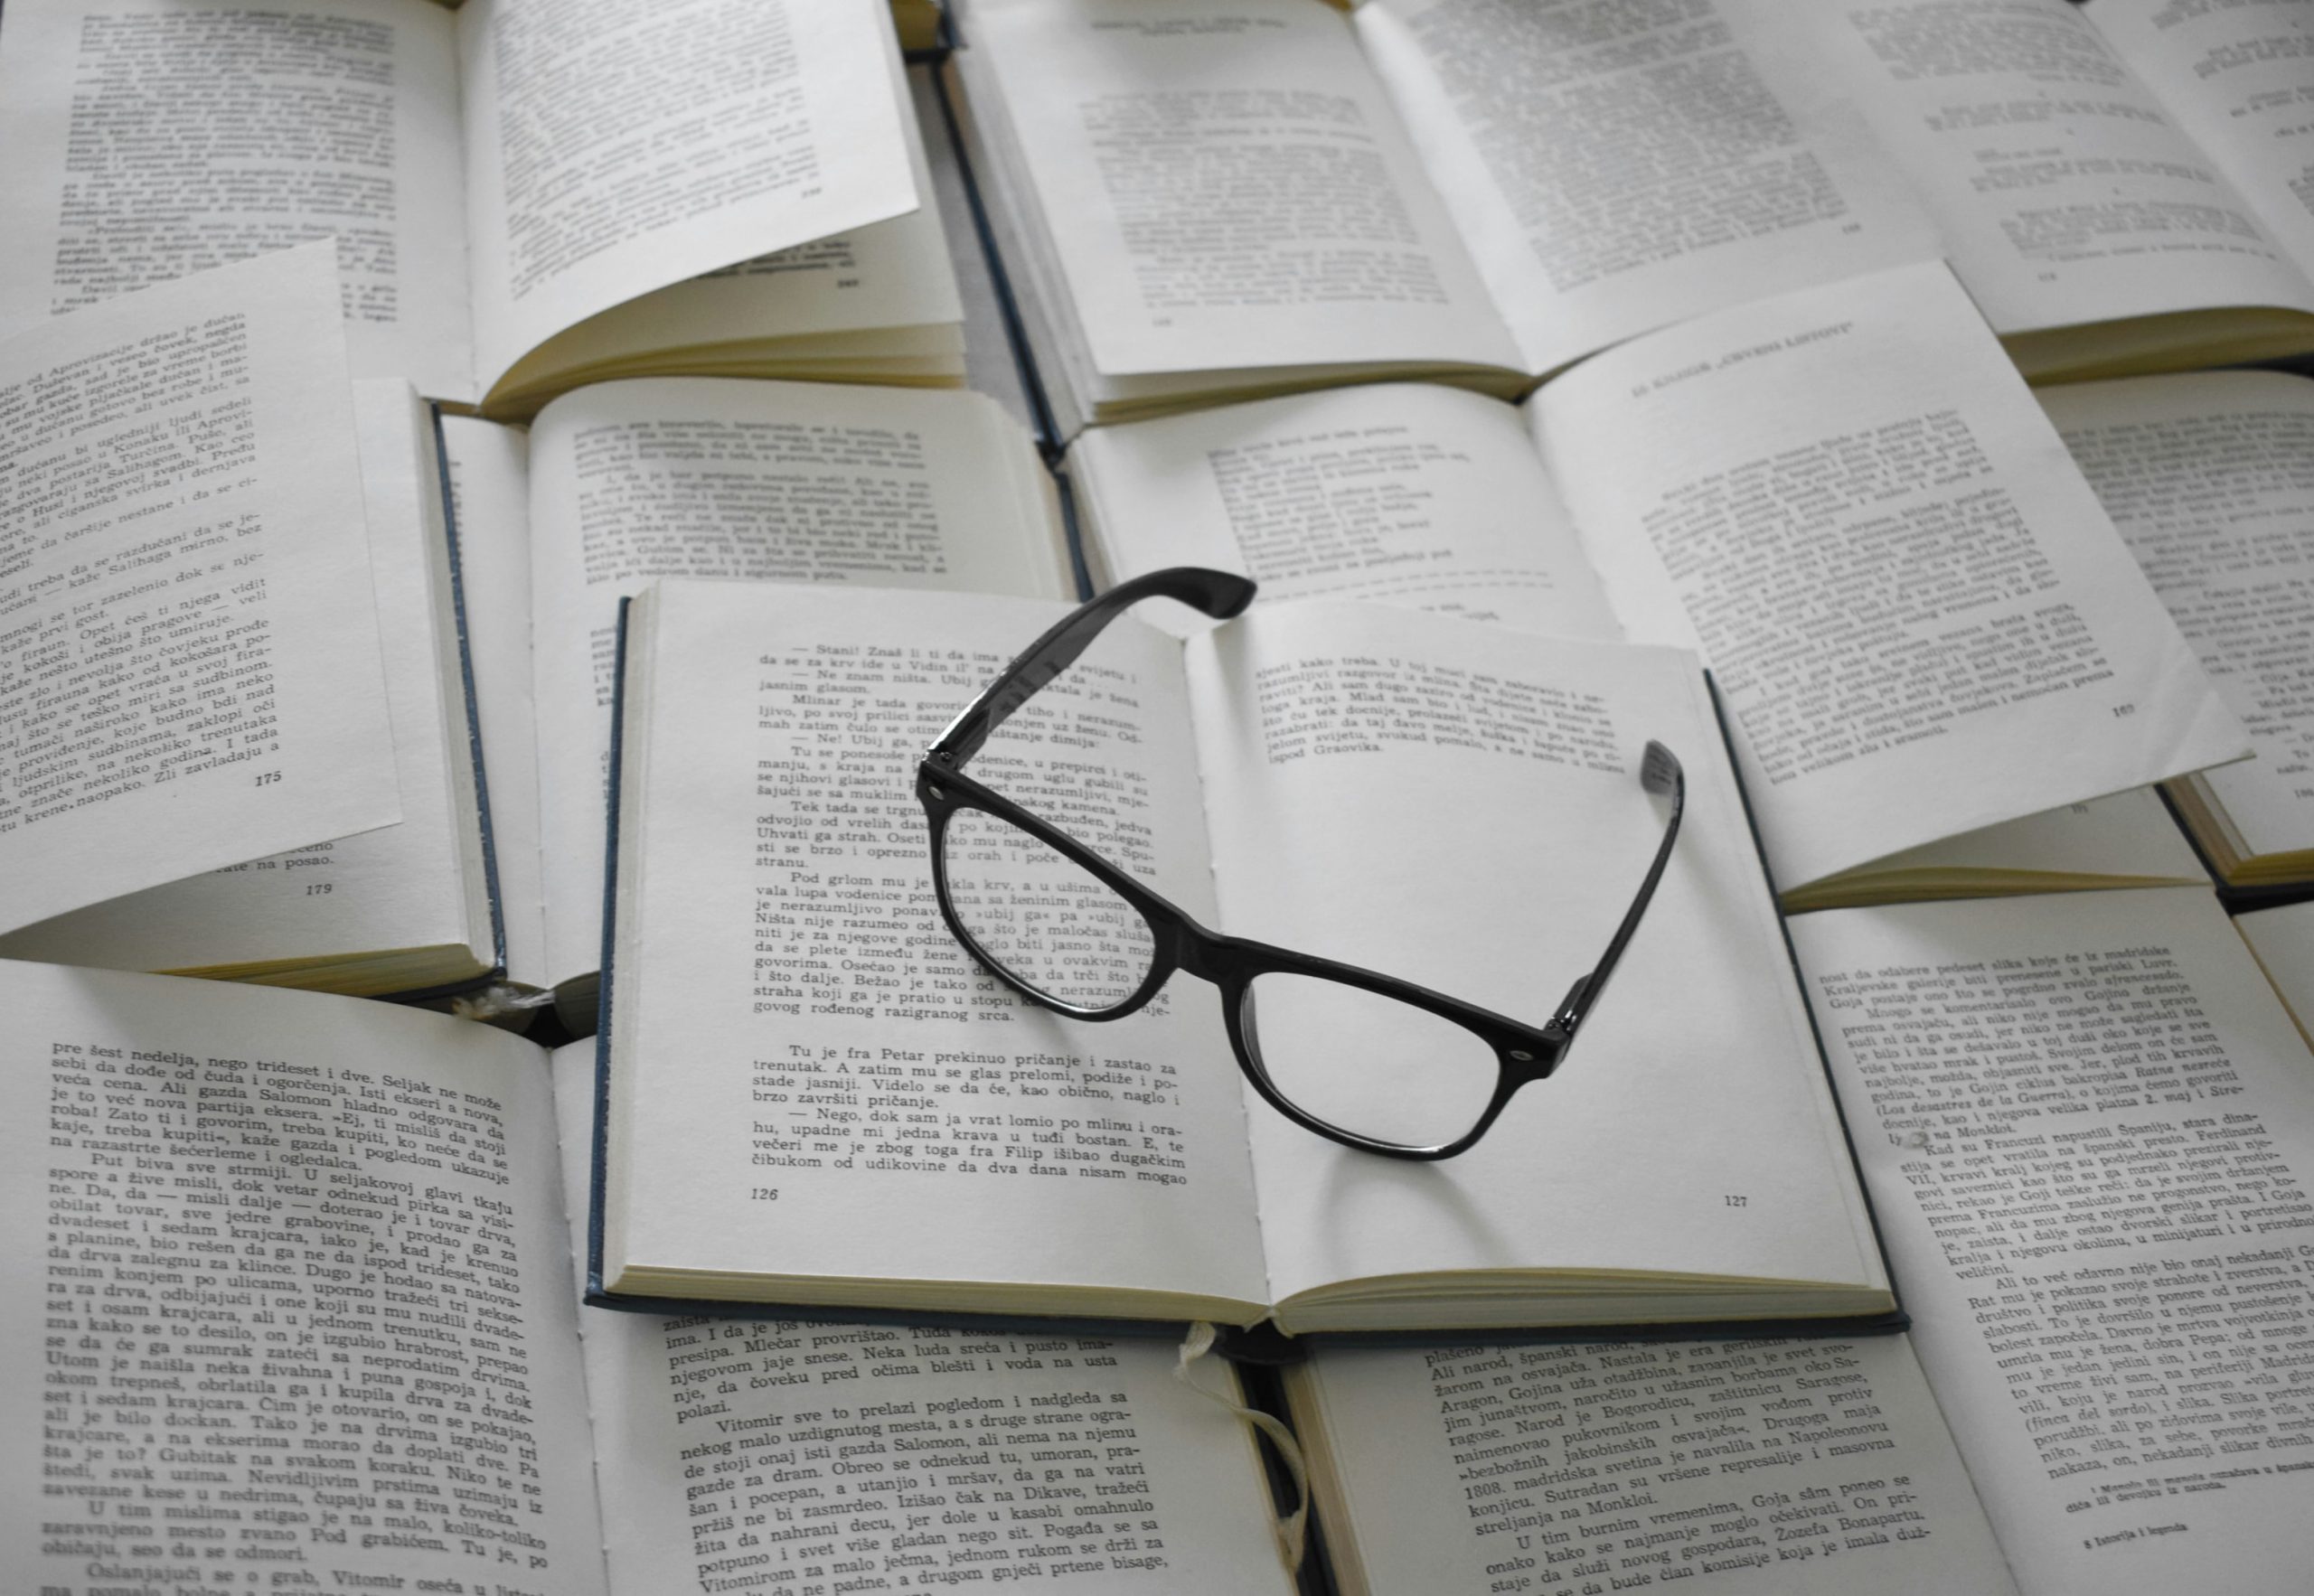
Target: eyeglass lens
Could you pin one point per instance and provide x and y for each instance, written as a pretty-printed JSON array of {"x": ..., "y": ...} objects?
[
  {"x": 1048, "y": 922},
  {"x": 1366, "y": 1064}
]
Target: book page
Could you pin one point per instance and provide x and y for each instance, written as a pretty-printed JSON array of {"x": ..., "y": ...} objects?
[
  {"x": 1409, "y": 493},
  {"x": 2088, "y": 1128},
  {"x": 1754, "y": 1468},
  {"x": 295, "y": 1270},
  {"x": 888, "y": 274},
  {"x": 788, "y": 1453},
  {"x": 2283, "y": 939},
  {"x": 189, "y": 666},
  {"x": 489, "y": 468},
  {"x": 1227, "y": 185},
  {"x": 2210, "y": 478},
  {"x": 1616, "y": 168},
  {"x": 616, "y": 149},
  {"x": 867, "y": 1455},
  {"x": 1849, "y": 499},
  {"x": 147, "y": 140},
  {"x": 1459, "y": 806},
  {"x": 762, "y": 481},
  {"x": 2234, "y": 76},
  {"x": 407, "y": 885},
  {"x": 810, "y": 1077},
  {"x": 826, "y": 1451},
  {"x": 2064, "y": 191}
]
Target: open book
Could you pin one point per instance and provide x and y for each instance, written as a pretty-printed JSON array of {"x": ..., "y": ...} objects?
[
  {"x": 322, "y": 1243},
  {"x": 778, "y": 482},
  {"x": 626, "y": 483},
  {"x": 1203, "y": 202},
  {"x": 2206, "y": 477},
  {"x": 2088, "y": 1129},
  {"x": 813, "y": 1096},
  {"x": 523, "y": 196},
  {"x": 405, "y": 908},
  {"x": 189, "y": 645},
  {"x": 291, "y": 1295},
  {"x": 1845, "y": 499}
]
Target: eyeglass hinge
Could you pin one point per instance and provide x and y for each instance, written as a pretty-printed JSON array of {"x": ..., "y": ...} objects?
[{"x": 1570, "y": 1012}]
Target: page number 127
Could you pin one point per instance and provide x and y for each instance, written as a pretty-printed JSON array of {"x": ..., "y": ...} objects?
[{"x": 1734, "y": 1201}]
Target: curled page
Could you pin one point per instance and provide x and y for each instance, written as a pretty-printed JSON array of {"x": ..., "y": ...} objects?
[{"x": 612, "y": 150}]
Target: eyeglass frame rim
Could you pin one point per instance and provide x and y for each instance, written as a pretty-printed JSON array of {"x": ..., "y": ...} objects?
[
  {"x": 1232, "y": 963},
  {"x": 1523, "y": 1052}
]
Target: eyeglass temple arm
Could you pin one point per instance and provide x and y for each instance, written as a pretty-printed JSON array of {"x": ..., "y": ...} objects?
[
  {"x": 1219, "y": 593},
  {"x": 1658, "y": 772}
]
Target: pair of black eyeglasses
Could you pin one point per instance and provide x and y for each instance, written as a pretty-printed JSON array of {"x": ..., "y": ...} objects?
[{"x": 1368, "y": 1060}]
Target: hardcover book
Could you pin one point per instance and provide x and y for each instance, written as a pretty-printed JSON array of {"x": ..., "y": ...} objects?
[
  {"x": 791, "y": 1035},
  {"x": 1844, "y": 499},
  {"x": 497, "y": 616},
  {"x": 294, "y": 1299},
  {"x": 524, "y": 197},
  {"x": 1202, "y": 203},
  {"x": 2088, "y": 1129}
]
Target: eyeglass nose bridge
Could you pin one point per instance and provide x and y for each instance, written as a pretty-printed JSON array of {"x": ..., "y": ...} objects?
[
  {"x": 1234, "y": 965},
  {"x": 1226, "y": 961}
]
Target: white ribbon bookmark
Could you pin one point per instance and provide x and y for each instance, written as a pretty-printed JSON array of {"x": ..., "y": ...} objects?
[{"x": 1292, "y": 1531}]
